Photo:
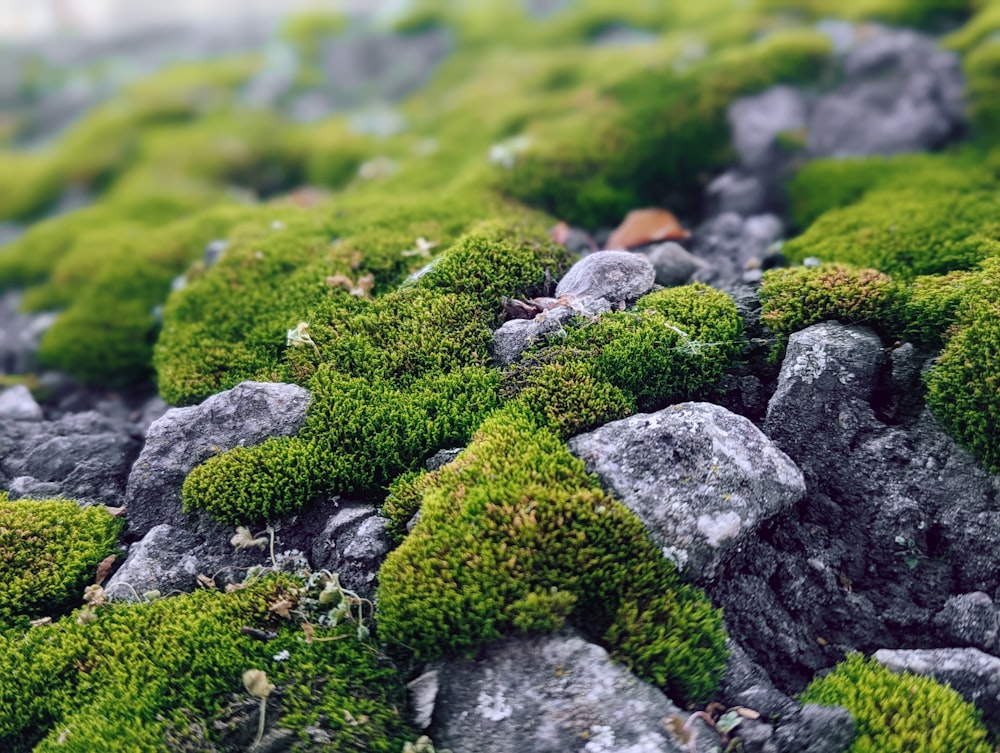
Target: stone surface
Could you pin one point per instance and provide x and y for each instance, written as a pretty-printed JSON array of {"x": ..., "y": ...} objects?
[
  {"x": 82, "y": 456},
  {"x": 816, "y": 729},
  {"x": 728, "y": 244},
  {"x": 756, "y": 122},
  {"x": 550, "y": 694},
  {"x": 162, "y": 561},
  {"x": 699, "y": 477},
  {"x": 975, "y": 675},
  {"x": 517, "y": 335},
  {"x": 353, "y": 544},
  {"x": 970, "y": 619},
  {"x": 616, "y": 276},
  {"x": 20, "y": 334},
  {"x": 18, "y": 404},
  {"x": 185, "y": 437},
  {"x": 674, "y": 265}
]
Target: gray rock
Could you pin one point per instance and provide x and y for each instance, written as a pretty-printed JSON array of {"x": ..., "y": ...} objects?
[
  {"x": 970, "y": 620},
  {"x": 353, "y": 544},
  {"x": 18, "y": 404},
  {"x": 517, "y": 335},
  {"x": 82, "y": 456},
  {"x": 739, "y": 192},
  {"x": 816, "y": 729},
  {"x": 511, "y": 339},
  {"x": 701, "y": 479},
  {"x": 442, "y": 458},
  {"x": 20, "y": 334},
  {"x": 423, "y": 691},
  {"x": 185, "y": 437},
  {"x": 616, "y": 276},
  {"x": 162, "y": 561},
  {"x": 549, "y": 694},
  {"x": 971, "y": 673},
  {"x": 673, "y": 264},
  {"x": 729, "y": 243},
  {"x": 757, "y": 121}
]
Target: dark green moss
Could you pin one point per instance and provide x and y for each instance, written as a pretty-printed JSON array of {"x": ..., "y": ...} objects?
[
  {"x": 982, "y": 73},
  {"x": 919, "y": 13},
  {"x": 179, "y": 663},
  {"x": 514, "y": 523},
  {"x": 49, "y": 550},
  {"x": 894, "y": 713}
]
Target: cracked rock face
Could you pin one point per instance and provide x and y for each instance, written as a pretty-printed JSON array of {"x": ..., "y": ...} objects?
[{"x": 698, "y": 476}]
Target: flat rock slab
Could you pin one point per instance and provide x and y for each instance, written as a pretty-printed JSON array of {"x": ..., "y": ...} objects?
[
  {"x": 700, "y": 477},
  {"x": 550, "y": 694}
]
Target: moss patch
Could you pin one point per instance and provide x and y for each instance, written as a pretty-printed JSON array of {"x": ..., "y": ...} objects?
[
  {"x": 179, "y": 663},
  {"x": 49, "y": 550},
  {"x": 515, "y": 525},
  {"x": 899, "y": 712}
]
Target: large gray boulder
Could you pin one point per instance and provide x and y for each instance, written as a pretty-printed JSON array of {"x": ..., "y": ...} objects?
[
  {"x": 701, "y": 478},
  {"x": 182, "y": 438},
  {"x": 551, "y": 694},
  {"x": 971, "y": 673}
]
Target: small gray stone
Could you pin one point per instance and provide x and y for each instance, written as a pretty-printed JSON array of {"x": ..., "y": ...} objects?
[
  {"x": 162, "y": 561},
  {"x": 758, "y": 120},
  {"x": 616, "y": 276},
  {"x": 970, "y": 619},
  {"x": 512, "y": 339},
  {"x": 673, "y": 264},
  {"x": 735, "y": 191},
  {"x": 353, "y": 544},
  {"x": 817, "y": 729},
  {"x": 700, "y": 477},
  {"x": 423, "y": 692},
  {"x": 18, "y": 404},
  {"x": 442, "y": 457}
]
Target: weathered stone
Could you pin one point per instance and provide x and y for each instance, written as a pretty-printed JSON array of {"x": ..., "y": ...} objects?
[
  {"x": 701, "y": 479},
  {"x": 673, "y": 264},
  {"x": 616, "y": 276},
  {"x": 18, "y": 404},
  {"x": 550, "y": 694},
  {"x": 970, "y": 620},
  {"x": 20, "y": 334},
  {"x": 816, "y": 729},
  {"x": 973, "y": 674},
  {"x": 162, "y": 561},
  {"x": 759, "y": 120},
  {"x": 423, "y": 692},
  {"x": 185, "y": 437},
  {"x": 353, "y": 544}
]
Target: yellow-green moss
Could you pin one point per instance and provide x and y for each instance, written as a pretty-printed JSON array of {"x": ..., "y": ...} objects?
[
  {"x": 897, "y": 713},
  {"x": 982, "y": 73},
  {"x": 515, "y": 522},
  {"x": 920, "y": 13},
  {"x": 134, "y": 676},
  {"x": 49, "y": 550},
  {"x": 793, "y": 299}
]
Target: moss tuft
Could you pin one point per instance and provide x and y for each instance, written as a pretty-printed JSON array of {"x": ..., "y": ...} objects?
[
  {"x": 793, "y": 299},
  {"x": 179, "y": 662},
  {"x": 49, "y": 550},
  {"x": 515, "y": 523},
  {"x": 894, "y": 713}
]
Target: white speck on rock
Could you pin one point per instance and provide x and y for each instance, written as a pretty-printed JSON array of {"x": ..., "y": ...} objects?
[
  {"x": 495, "y": 708},
  {"x": 719, "y": 527}
]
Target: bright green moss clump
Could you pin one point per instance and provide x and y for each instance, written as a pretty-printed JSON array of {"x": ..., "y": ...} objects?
[
  {"x": 515, "y": 536},
  {"x": 793, "y": 299},
  {"x": 963, "y": 389},
  {"x": 899, "y": 713},
  {"x": 132, "y": 677},
  {"x": 49, "y": 551}
]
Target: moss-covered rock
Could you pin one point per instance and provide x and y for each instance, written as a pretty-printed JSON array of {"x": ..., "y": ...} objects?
[
  {"x": 899, "y": 712},
  {"x": 130, "y": 677},
  {"x": 516, "y": 523},
  {"x": 49, "y": 550}
]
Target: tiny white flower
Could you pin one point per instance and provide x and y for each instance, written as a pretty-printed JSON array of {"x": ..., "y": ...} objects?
[{"x": 282, "y": 655}]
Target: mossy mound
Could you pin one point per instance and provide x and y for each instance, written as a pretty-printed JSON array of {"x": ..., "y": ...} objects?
[
  {"x": 393, "y": 379},
  {"x": 795, "y": 298},
  {"x": 49, "y": 550},
  {"x": 894, "y": 713},
  {"x": 664, "y": 133},
  {"x": 158, "y": 676},
  {"x": 515, "y": 536},
  {"x": 673, "y": 345},
  {"x": 919, "y": 13}
]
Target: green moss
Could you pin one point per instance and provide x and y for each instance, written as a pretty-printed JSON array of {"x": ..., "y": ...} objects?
[
  {"x": 793, "y": 299},
  {"x": 664, "y": 132},
  {"x": 928, "y": 306},
  {"x": 514, "y": 523},
  {"x": 49, "y": 550},
  {"x": 982, "y": 73},
  {"x": 674, "y": 345},
  {"x": 963, "y": 388},
  {"x": 980, "y": 27},
  {"x": 306, "y": 31},
  {"x": 919, "y": 13},
  {"x": 179, "y": 662},
  {"x": 899, "y": 712},
  {"x": 906, "y": 231},
  {"x": 28, "y": 184}
]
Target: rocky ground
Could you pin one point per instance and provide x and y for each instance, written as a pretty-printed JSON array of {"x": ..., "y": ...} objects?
[{"x": 812, "y": 493}]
